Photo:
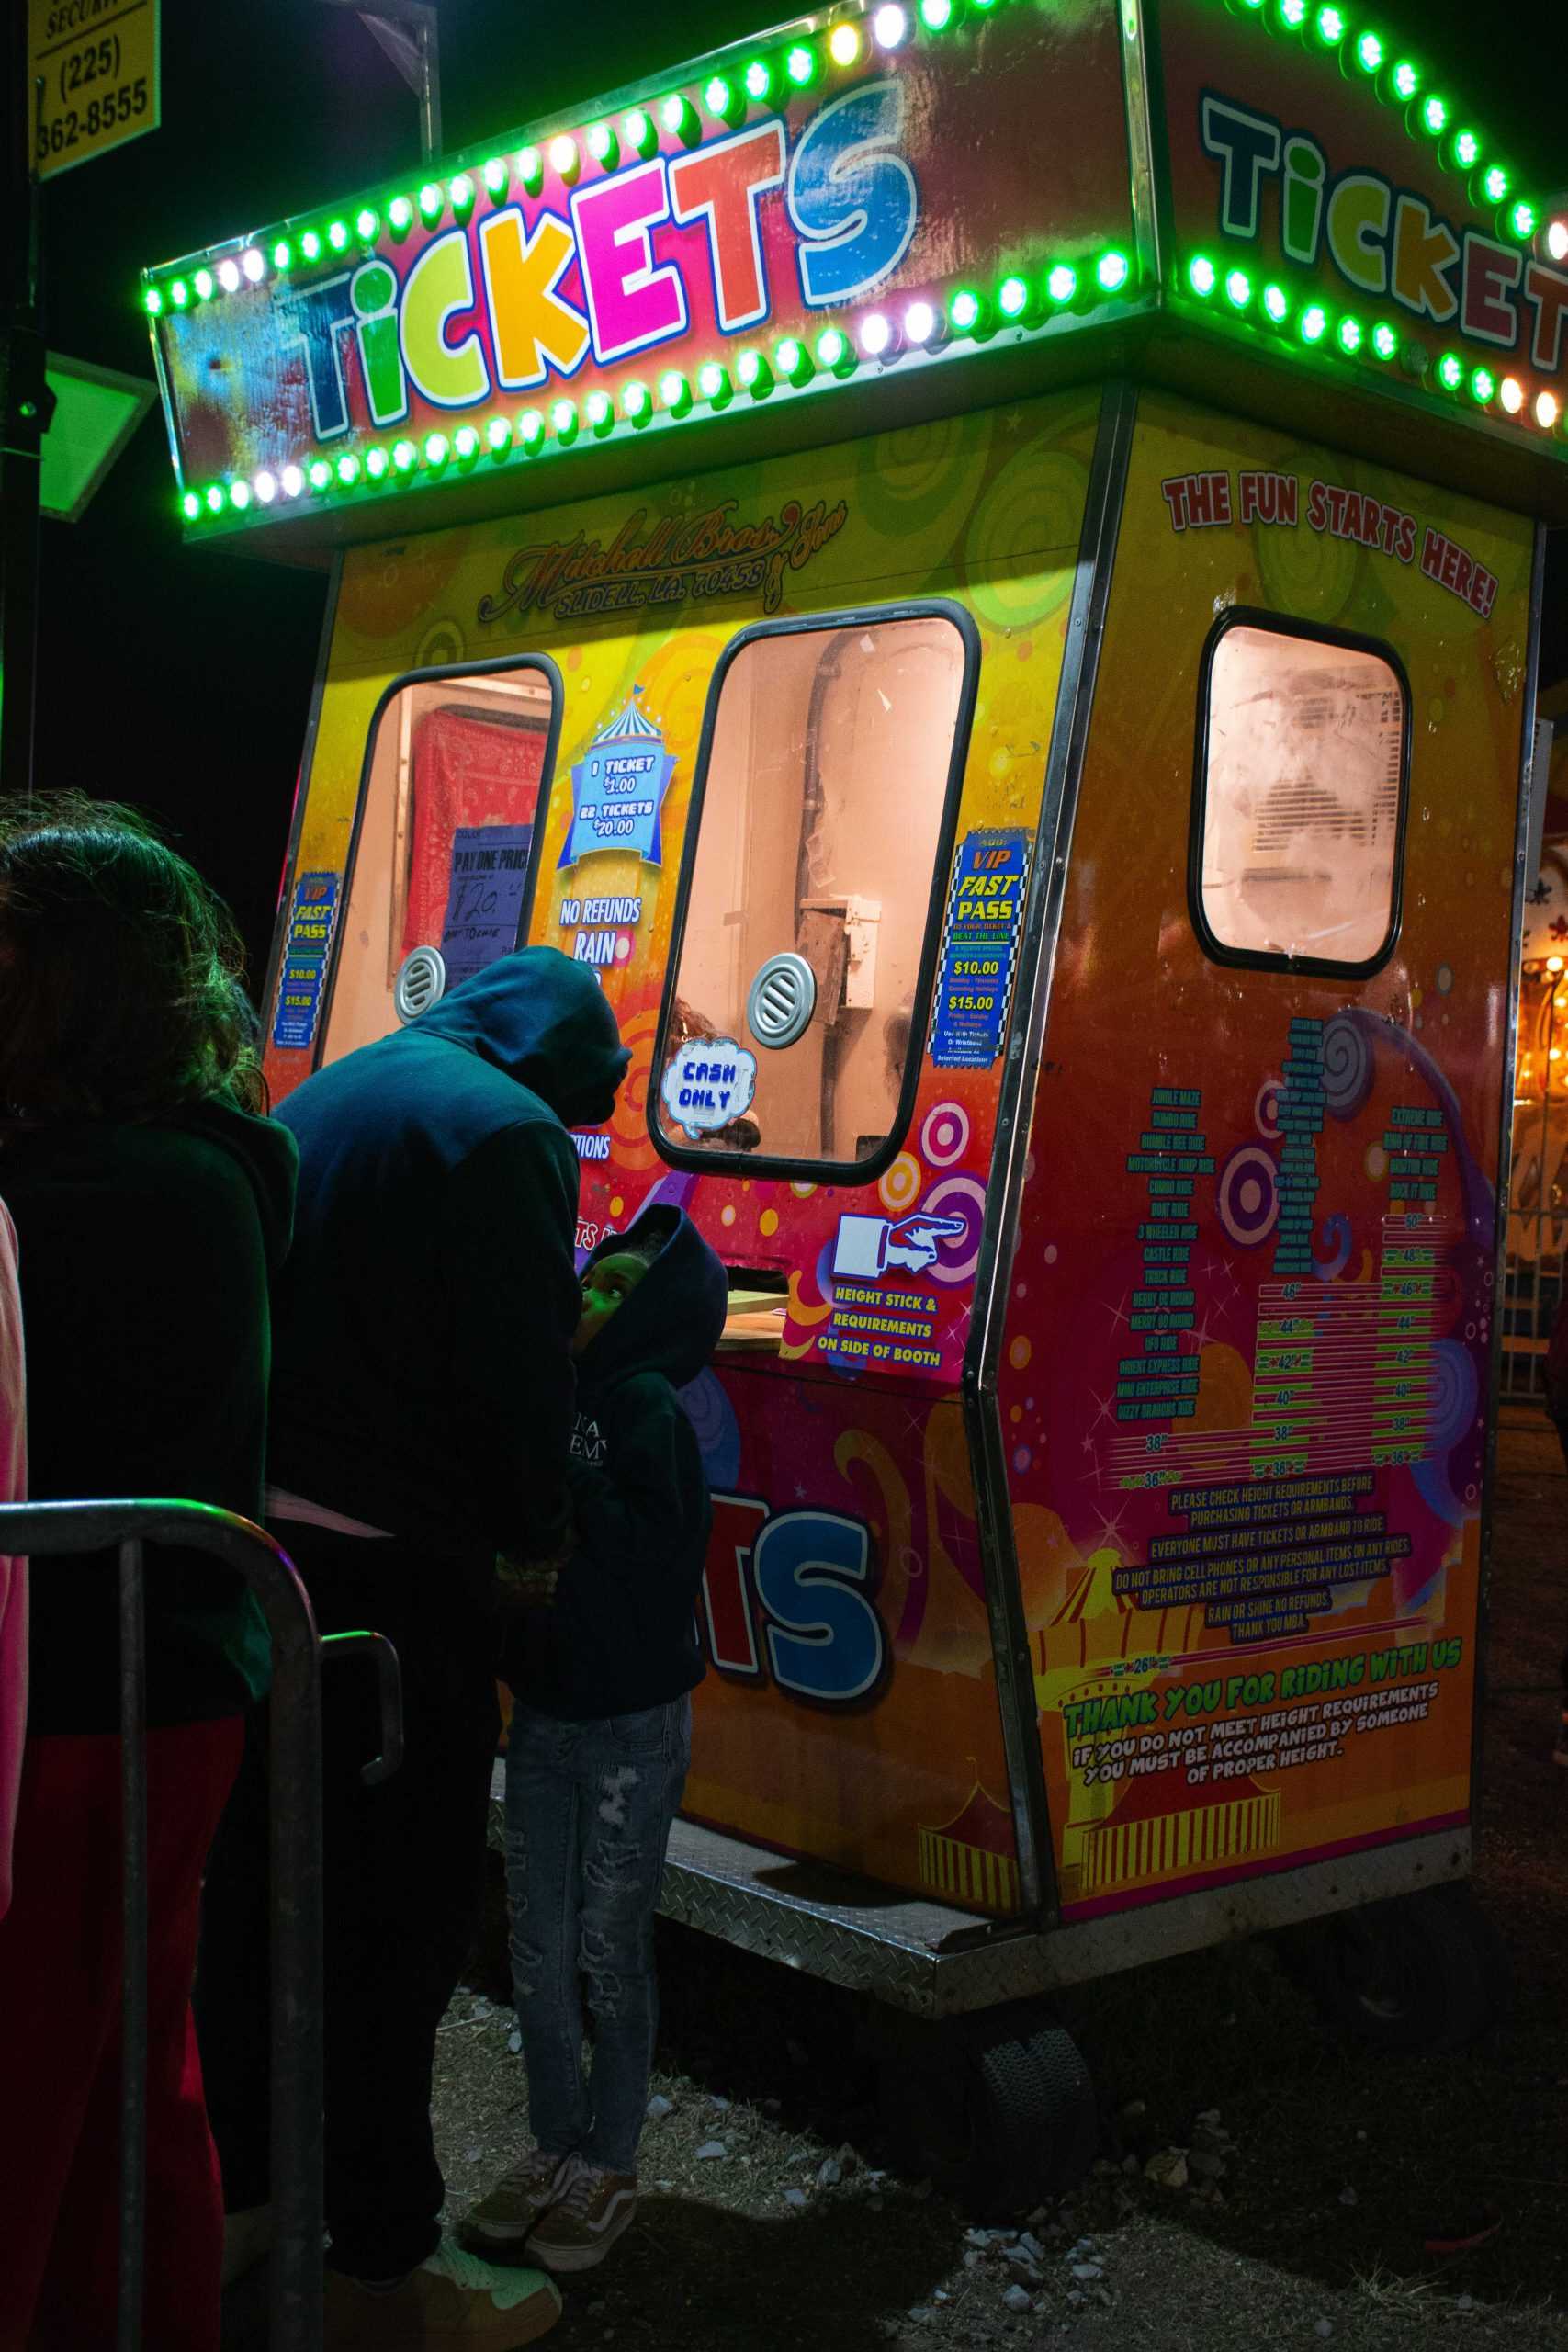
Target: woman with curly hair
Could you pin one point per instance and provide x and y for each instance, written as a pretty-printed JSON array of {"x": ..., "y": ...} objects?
[{"x": 151, "y": 1208}]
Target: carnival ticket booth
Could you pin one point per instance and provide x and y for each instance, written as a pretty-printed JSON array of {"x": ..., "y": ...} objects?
[{"x": 980, "y": 563}]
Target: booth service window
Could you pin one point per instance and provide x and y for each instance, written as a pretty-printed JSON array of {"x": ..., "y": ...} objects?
[
  {"x": 813, "y": 891},
  {"x": 1302, "y": 756},
  {"x": 450, "y": 804}
]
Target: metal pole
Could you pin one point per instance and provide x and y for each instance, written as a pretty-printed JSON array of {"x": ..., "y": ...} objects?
[
  {"x": 133, "y": 1948},
  {"x": 428, "y": 86},
  {"x": 25, "y": 403},
  {"x": 295, "y": 1812}
]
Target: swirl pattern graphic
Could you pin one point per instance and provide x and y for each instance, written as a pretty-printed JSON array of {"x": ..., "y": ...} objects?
[
  {"x": 1347, "y": 1066},
  {"x": 1248, "y": 1195},
  {"x": 959, "y": 1196},
  {"x": 1021, "y": 546},
  {"x": 944, "y": 1132}
]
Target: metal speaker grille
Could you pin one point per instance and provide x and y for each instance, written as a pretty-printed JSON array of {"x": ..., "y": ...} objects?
[
  {"x": 421, "y": 983},
  {"x": 782, "y": 1000}
]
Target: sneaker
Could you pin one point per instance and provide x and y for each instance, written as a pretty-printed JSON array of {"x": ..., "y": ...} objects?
[
  {"x": 500, "y": 2223},
  {"x": 589, "y": 2215},
  {"x": 454, "y": 2303}
]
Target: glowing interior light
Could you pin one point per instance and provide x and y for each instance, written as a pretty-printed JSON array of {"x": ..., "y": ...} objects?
[
  {"x": 215, "y": 499},
  {"x": 800, "y": 65},
  {"x": 1012, "y": 298},
  {"x": 1329, "y": 26},
  {"x": 375, "y": 463},
  {"x": 190, "y": 505},
  {"x": 432, "y": 201},
  {"x": 497, "y": 173},
  {"x": 750, "y": 371},
  {"x": 348, "y": 471},
  {"x": 1406, "y": 80},
  {"x": 400, "y": 216},
  {"x": 531, "y": 169},
  {"x": 758, "y": 78},
  {"x": 202, "y": 282},
  {"x": 635, "y": 401},
  {"x": 1467, "y": 150},
  {"x": 563, "y": 421},
  {"x": 367, "y": 225},
  {"x": 291, "y": 481},
  {"x": 875, "y": 335},
  {"x": 1276, "y": 304},
  {"x": 794, "y": 359},
  {"x": 1350, "y": 333},
  {"x": 318, "y": 473},
  {"x": 843, "y": 44},
  {"x": 462, "y": 193},
  {"x": 597, "y": 411},
  {"x": 1113, "y": 270},
  {"x": 920, "y": 322},
  {"x": 1451, "y": 371},
  {"x": 253, "y": 263},
  {"x": 889, "y": 28},
  {"x": 1557, "y": 240},
  {"x": 1511, "y": 393},
  {"x": 438, "y": 449},
  {"x": 1201, "y": 274},
  {"x": 179, "y": 293},
  {"x": 713, "y": 383},
  {"x": 266, "y": 487},
  {"x": 640, "y": 131},
  {"x": 1483, "y": 385},
  {"x": 311, "y": 245},
  {"x": 404, "y": 456},
  {"x": 1495, "y": 183},
  {"x": 282, "y": 255},
  {"x": 1369, "y": 52},
  {"x": 936, "y": 15},
  {"x": 1314, "y": 322},
  {"x": 964, "y": 311},
  {"x": 1238, "y": 289},
  {"x": 152, "y": 302},
  {"x": 497, "y": 432},
  {"x": 337, "y": 236},
  {"x": 673, "y": 389},
  {"x": 1546, "y": 410},
  {"x": 465, "y": 443},
  {"x": 1435, "y": 116},
  {"x": 833, "y": 349},
  {"x": 718, "y": 98},
  {"x": 603, "y": 146},
  {"x": 531, "y": 430},
  {"x": 1385, "y": 342},
  {"x": 1062, "y": 282},
  {"x": 1522, "y": 221},
  {"x": 564, "y": 157},
  {"x": 228, "y": 277},
  {"x": 1293, "y": 14}
]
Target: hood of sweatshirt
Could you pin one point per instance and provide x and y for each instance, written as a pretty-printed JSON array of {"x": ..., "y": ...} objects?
[
  {"x": 267, "y": 1153},
  {"x": 673, "y": 1320},
  {"x": 546, "y": 1022}
]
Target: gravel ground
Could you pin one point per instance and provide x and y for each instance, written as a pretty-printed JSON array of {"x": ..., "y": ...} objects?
[{"x": 772, "y": 2215}]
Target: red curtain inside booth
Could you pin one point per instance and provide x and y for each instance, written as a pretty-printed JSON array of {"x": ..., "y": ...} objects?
[{"x": 467, "y": 771}]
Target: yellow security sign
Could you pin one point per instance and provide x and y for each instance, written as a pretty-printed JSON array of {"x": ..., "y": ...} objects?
[{"x": 92, "y": 66}]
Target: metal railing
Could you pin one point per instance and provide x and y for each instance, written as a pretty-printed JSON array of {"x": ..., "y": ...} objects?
[{"x": 37, "y": 1529}]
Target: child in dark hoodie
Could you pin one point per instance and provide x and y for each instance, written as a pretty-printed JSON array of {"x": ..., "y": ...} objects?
[{"x": 600, "y": 1743}]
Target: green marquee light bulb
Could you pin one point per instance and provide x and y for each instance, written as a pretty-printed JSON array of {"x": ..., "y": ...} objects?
[
  {"x": 179, "y": 293},
  {"x": 240, "y": 496},
  {"x": 1451, "y": 371},
  {"x": 680, "y": 119},
  {"x": 152, "y": 302},
  {"x": 431, "y": 202},
  {"x": 720, "y": 99},
  {"x": 1061, "y": 283},
  {"x": 1314, "y": 322},
  {"x": 497, "y": 174},
  {"x": 1292, "y": 15},
  {"x": 282, "y": 255},
  {"x": 754, "y": 374},
  {"x": 190, "y": 505},
  {"x": 1495, "y": 183},
  {"x": 800, "y": 64},
  {"x": 1434, "y": 116},
  {"x": 1238, "y": 289},
  {"x": 319, "y": 473},
  {"x": 438, "y": 449},
  {"x": 1276, "y": 304},
  {"x": 215, "y": 499},
  {"x": 376, "y": 464},
  {"x": 1467, "y": 150},
  {"x": 531, "y": 431},
  {"x": 531, "y": 169},
  {"x": 311, "y": 245},
  {"x": 713, "y": 383},
  {"x": 794, "y": 360},
  {"x": 1350, "y": 333},
  {"x": 964, "y": 311},
  {"x": 674, "y": 392},
  {"x": 497, "y": 432},
  {"x": 367, "y": 225},
  {"x": 400, "y": 216},
  {"x": 834, "y": 349},
  {"x": 597, "y": 411},
  {"x": 563, "y": 421},
  {"x": 1012, "y": 298},
  {"x": 462, "y": 194},
  {"x": 634, "y": 402},
  {"x": 1202, "y": 274},
  {"x": 1522, "y": 221},
  {"x": 1483, "y": 386},
  {"x": 1112, "y": 269},
  {"x": 1406, "y": 80},
  {"x": 603, "y": 146},
  {"x": 348, "y": 471},
  {"x": 565, "y": 161},
  {"x": 202, "y": 282},
  {"x": 1369, "y": 52},
  {"x": 404, "y": 456},
  {"x": 1385, "y": 341},
  {"x": 465, "y": 443},
  {"x": 1329, "y": 26},
  {"x": 337, "y": 236},
  {"x": 642, "y": 135},
  {"x": 936, "y": 15},
  {"x": 759, "y": 79}
]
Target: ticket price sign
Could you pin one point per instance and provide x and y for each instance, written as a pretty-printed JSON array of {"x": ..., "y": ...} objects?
[{"x": 96, "y": 61}]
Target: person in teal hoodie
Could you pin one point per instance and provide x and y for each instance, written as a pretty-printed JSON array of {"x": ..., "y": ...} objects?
[{"x": 601, "y": 1665}]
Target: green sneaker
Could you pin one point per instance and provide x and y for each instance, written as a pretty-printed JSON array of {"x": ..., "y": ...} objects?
[{"x": 451, "y": 2304}]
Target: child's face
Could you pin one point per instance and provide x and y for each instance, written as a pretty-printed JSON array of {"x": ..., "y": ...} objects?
[{"x": 606, "y": 1282}]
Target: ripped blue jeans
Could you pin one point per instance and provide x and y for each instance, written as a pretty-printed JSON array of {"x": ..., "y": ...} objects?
[{"x": 588, "y": 1811}]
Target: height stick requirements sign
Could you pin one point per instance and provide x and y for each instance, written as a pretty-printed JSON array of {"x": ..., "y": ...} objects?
[{"x": 93, "y": 68}]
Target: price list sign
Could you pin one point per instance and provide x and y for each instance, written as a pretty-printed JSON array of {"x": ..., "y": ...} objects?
[
  {"x": 979, "y": 949},
  {"x": 94, "y": 68}
]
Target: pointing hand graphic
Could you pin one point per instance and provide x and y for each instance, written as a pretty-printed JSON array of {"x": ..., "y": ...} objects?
[{"x": 914, "y": 1240}]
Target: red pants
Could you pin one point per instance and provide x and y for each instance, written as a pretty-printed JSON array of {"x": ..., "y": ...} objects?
[{"x": 59, "y": 2048}]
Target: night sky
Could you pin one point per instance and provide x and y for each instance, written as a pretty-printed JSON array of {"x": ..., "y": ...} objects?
[{"x": 179, "y": 679}]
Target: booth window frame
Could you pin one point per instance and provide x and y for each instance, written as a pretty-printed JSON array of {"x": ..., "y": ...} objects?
[
  {"x": 1257, "y": 959},
  {"x": 548, "y": 670},
  {"x": 759, "y": 1164}
]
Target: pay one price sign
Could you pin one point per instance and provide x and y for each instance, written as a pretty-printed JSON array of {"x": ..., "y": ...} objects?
[{"x": 96, "y": 61}]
